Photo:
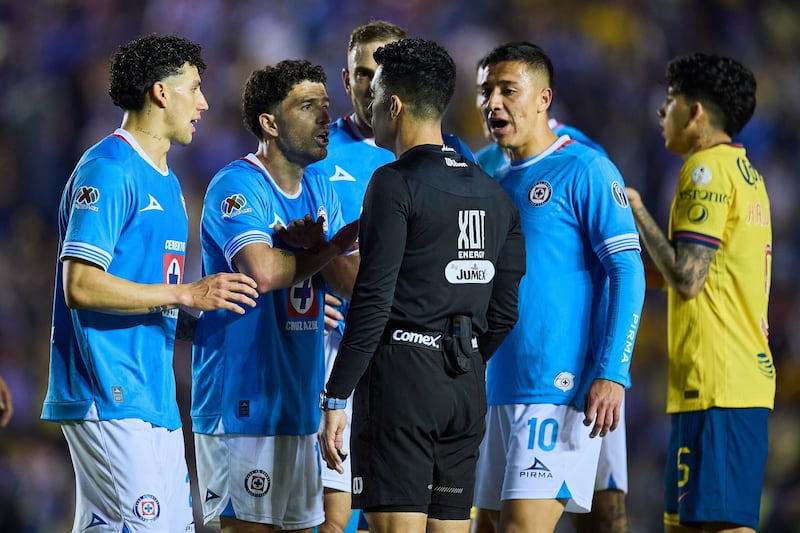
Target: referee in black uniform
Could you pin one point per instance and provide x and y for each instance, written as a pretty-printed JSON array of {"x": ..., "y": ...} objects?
[{"x": 442, "y": 254}]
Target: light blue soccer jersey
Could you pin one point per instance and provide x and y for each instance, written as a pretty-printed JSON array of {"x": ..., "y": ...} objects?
[
  {"x": 261, "y": 372},
  {"x": 491, "y": 157},
  {"x": 121, "y": 213},
  {"x": 574, "y": 215}
]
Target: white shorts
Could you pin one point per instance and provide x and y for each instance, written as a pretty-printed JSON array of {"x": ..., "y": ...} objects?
[
  {"x": 331, "y": 479},
  {"x": 129, "y": 476},
  {"x": 612, "y": 469},
  {"x": 267, "y": 480},
  {"x": 539, "y": 451}
]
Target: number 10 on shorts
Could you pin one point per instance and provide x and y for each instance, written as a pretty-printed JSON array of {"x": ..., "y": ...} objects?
[{"x": 544, "y": 435}]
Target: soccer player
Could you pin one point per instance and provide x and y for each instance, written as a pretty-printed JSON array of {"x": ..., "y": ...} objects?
[
  {"x": 352, "y": 158},
  {"x": 256, "y": 377},
  {"x": 716, "y": 261},
  {"x": 565, "y": 364},
  {"x": 611, "y": 484},
  {"x": 441, "y": 258},
  {"x": 119, "y": 283}
]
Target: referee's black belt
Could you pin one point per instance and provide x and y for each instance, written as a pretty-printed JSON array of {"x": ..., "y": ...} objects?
[{"x": 458, "y": 344}]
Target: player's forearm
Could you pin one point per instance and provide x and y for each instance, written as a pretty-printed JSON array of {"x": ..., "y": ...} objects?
[
  {"x": 274, "y": 268},
  {"x": 684, "y": 266},
  {"x": 340, "y": 274},
  {"x": 87, "y": 286},
  {"x": 625, "y": 300},
  {"x": 661, "y": 250}
]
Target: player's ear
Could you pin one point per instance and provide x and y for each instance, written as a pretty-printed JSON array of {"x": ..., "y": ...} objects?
[
  {"x": 545, "y": 98},
  {"x": 158, "y": 93},
  {"x": 395, "y": 106},
  {"x": 346, "y": 80},
  {"x": 268, "y": 124}
]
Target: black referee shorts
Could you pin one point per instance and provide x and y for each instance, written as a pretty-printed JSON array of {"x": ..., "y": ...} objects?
[{"x": 416, "y": 432}]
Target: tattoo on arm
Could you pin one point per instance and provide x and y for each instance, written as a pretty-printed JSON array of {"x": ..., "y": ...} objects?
[
  {"x": 691, "y": 265},
  {"x": 158, "y": 309},
  {"x": 684, "y": 265}
]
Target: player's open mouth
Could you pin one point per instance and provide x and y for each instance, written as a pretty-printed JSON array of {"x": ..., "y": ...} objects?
[
  {"x": 322, "y": 138},
  {"x": 498, "y": 126}
]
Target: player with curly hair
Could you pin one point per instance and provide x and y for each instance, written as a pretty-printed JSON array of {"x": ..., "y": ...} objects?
[
  {"x": 255, "y": 377},
  {"x": 119, "y": 283},
  {"x": 716, "y": 262}
]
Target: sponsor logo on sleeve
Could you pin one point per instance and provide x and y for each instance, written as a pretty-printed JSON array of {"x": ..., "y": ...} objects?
[
  {"x": 86, "y": 197},
  {"x": 697, "y": 213},
  {"x": 618, "y": 191},
  {"x": 701, "y": 175},
  {"x": 234, "y": 205}
]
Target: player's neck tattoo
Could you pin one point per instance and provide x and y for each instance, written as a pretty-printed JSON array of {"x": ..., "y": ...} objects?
[{"x": 149, "y": 134}]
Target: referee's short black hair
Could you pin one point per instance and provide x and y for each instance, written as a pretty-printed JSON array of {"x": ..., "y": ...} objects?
[{"x": 420, "y": 72}]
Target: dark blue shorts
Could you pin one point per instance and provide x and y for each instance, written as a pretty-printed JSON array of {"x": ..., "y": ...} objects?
[{"x": 715, "y": 467}]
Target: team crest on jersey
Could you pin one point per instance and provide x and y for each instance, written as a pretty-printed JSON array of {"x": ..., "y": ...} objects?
[
  {"x": 303, "y": 299},
  {"x": 147, "y": 508},
  {"x": 701, "y": 175},
  {"x": 564, "y": 381},
  {"x": 257, "y": 483},
  {"x": 173, "y": 269},
  {"x": 234, "y": 205},
  {"x": 86, "y": 197},
  {"x": 618, "y": 191},
  {"x": 321, "y": 212},
  {"x": 540, "y": 193}
]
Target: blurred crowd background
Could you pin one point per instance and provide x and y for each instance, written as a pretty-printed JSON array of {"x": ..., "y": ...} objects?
[{"x": 609, "y": 57}]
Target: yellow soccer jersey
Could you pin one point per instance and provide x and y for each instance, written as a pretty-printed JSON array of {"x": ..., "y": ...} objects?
[{"x": 717, "y": 342}]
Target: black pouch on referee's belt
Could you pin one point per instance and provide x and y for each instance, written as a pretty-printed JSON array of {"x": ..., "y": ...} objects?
[{"x": 457, "y": 346}]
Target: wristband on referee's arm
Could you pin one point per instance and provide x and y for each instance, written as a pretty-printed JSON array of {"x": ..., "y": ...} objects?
[{"x": 327, "y": 403}]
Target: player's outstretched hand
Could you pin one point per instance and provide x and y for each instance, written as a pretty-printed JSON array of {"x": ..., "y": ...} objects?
[
  {"x": 223, "y": 291},
  {"x": 331, "y": 438},
  {"x": 6, "y": 406},
  {"x": 345, "y": 238},
  {"x": 602, "y": 406},
  {"x": 303, "y": 232}
]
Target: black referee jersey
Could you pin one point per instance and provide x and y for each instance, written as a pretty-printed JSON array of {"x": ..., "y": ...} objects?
[{"x": 438, "y": 238}]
